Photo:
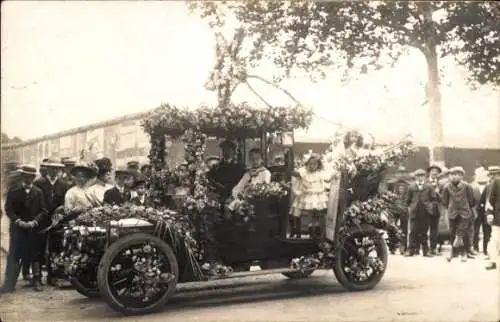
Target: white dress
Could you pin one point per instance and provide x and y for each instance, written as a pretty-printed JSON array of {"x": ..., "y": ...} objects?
[{"x": 309, "y": 192}]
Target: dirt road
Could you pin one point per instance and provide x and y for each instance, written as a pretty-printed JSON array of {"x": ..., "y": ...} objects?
[{"x": 413, "y": 289}]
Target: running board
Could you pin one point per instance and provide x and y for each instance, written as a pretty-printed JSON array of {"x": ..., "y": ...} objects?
[{"x": 255, "y": 273}]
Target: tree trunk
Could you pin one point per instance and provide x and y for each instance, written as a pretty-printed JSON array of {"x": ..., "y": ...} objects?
[
  {"x": 437, "y": 155},
  {"x": 429, "y": 49}
]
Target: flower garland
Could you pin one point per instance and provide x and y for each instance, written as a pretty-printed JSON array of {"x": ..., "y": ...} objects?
[
  {"x": 244, "y": 208},
  {"x": 226, "y": 121},
  {"x": 375, "y": 161}
]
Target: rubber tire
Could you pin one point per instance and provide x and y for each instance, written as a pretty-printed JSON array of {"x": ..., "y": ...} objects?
[
  {"x": 298, "y": 274},
  {"x": 344, "y": 280},
  {"x": 115, "y": 249},
  {"x": 83, "y": 290}
]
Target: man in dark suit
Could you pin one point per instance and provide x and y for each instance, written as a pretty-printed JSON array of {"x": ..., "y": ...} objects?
[
  {"x": 66, "y": 177},
  {"x": 420, "y": 200},
  {"x": 141, "y": 199},
  {"x": 433, "y": 173},
  {"x": 120, "y": 193},
  {"x": 493, "y": 218},
  {"x": 458, "y": 198},
  {"x": 25, "y": 207},
  {"x": 53, "y": 189},
  {"x": 228, "y": 172}
]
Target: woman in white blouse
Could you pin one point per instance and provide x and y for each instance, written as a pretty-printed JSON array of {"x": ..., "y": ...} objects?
[
  {"x": 77, "y": 198},
  {"x": 102, "y": 183}
]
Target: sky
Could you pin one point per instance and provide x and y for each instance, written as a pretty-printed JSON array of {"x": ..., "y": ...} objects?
[{"x": 68, "y": 64}]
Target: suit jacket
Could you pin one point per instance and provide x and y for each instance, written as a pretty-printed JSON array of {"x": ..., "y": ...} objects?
[
  {"x": 425, "y": 197},
  {"x": 494, "y": 199},
  {"x": 53, "y": 194},
  {"x": 113, "y": 196},
  {"x": 147, "y": 201},
  {"x": 228, "y": 175},
  {"x": 459, "y": 200},
  {"x": 484, "y": 199},
  {"x": 26, "y": 207}
]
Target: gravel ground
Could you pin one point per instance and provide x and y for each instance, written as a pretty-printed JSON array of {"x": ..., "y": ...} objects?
[{"x": 413, "y": 289}]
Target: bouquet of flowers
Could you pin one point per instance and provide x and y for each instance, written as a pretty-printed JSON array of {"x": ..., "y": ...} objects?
[
  {"x": 243, "y": 206},
  {"x": 376, "y": 211}
]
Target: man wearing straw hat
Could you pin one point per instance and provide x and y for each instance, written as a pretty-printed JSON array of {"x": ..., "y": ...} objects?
[
  {"x": 53, "y": 189},
  {"x": 25, "y": 207},
  {"x": 68, "y": 163},
  {"x": 120, "y": 193},
  {"x": 433, "y": 173}
]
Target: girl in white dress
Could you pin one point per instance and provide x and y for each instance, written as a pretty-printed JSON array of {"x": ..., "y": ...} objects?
[{"x": 310, "y": 196}]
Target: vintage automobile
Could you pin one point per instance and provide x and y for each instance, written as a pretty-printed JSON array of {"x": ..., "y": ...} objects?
[{"x": 135, "y": 263}]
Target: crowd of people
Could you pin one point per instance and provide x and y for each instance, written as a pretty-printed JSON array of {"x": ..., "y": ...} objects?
[
  {"x": 438, "y": 205},
  {"x": 434, "y": 205},
  {"x": 34, "y": 199}
]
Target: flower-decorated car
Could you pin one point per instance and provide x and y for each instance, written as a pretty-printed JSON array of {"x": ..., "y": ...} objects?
[{"x": 135, "y": 256}]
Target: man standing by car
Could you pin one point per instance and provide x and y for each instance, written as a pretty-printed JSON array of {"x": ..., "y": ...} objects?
[
  {"x": 399, "y": 186},
  {"x": 420, "y": 200},
  {"x": 25, "y": 207},
  {"x": 53, "y": 189}
]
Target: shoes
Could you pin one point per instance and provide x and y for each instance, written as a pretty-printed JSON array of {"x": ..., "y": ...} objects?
[
  {"x": 463, "y": 258},
  {"x": 428, "y": 255},
  {"x": 433, "y": 252},
  {"x": 38, "y": 286},
  {"x": 470, "y": 255},
  {"x": 408, "y": 254},
  {"x": 491, "y": 266}
]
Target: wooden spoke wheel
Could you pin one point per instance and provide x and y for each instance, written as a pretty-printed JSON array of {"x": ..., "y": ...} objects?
[
  {"x": 138, "y": 274},
  {"x": 361, "y": 261}
]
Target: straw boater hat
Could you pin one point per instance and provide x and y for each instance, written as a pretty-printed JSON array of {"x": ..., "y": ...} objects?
[
  {"x": 419, "y": 172},
  {"x": 133, "y": 165},
  {"x": 122, "y": 171},
  {"x": 457, "y": 170},
  {"x": 494, "y": 170},
  {"x": 68, "y": 162},
  {"x": 438, "y": 168},
  {"x": 89, "y": 168},
  {"x": 27, "y": 170},
  {"x": 52, "y": 163}
]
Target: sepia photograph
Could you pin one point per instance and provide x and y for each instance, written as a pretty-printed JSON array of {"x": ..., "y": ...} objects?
[{"x": 250, "y": 161}]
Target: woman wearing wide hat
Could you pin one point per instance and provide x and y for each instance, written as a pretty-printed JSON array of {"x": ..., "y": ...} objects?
[
  {"x": 25, "y": 207},
  {"x": 77, "y": 198},
  {"x": 102, "y": 183}
]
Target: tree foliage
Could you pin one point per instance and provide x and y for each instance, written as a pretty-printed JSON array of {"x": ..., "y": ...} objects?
[{"x": 363, "y": 35}]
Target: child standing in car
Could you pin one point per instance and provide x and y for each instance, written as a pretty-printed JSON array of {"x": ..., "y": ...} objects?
[{"x": 310, "y": 197}]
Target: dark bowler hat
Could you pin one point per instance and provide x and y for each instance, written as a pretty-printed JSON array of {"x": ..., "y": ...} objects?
[
  {"x": 146, "y": 166},
  {"x": 27, "y": 170},
  {"x": 52, "y": 163},
  {"x": 438, "y": 168},
  {"x": 104, "y": 164},
  {"x": 133, "y": 164},
  {"x": 138, "y": 180}
]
